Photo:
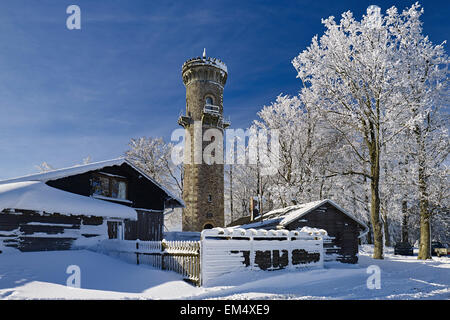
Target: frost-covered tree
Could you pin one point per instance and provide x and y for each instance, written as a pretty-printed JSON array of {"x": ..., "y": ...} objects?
[
  {"x": 44, "y": 167},
  {"x": 87, "y": 160},
  {"x": 303, "y": 152},
  {"x": 244, "y": 187},
  {"x": 423, "y": 85},
  {"x": 153, "y": 156},
  {"x": 380, "y": 83},
  {"x": 350, "y": 75}
]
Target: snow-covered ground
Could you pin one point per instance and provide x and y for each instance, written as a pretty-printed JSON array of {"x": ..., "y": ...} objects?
[{"x": 42, "y": 275}]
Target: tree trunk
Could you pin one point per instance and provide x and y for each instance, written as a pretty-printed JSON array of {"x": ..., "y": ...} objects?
[
  {"x": 369, "y": 234},
  {"x": 425, "y": 225},
  {"x": 425, "y": 243},
  {"x": 376, "y": 223},
  {"x": 405, "y": 230},
  {"x": 369, "y": 222},
  {"x": 387, "y": 240},
  {"x": 405, "y": 213},
  {"x": 375, "y": 200}
]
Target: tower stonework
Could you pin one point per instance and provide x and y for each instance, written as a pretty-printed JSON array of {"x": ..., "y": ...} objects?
[{"x": 203, "y": 183}]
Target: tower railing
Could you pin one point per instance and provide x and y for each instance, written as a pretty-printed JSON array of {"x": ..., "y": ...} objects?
[
  {"x": 210, "y": 108},
  {"x": 226, "y": 122}
]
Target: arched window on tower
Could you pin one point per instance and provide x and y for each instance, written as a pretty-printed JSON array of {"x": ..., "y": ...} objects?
[{"x": 210, "y": 107}]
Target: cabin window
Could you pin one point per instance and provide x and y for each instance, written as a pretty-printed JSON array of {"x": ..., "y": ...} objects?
[{"x": 109, "y": 186}]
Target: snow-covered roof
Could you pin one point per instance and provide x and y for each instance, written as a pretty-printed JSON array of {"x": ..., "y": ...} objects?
[
  {"x": 285, "y": 216},
  {"x": 37, "y": 196},
  {"x": 79, "y": 169},
  {"x": 65, "y": 172}
]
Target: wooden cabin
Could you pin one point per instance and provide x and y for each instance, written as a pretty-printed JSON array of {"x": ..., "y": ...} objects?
[
  {"x": 343, "y": 228},
  {"x": 66, "y": 208}
]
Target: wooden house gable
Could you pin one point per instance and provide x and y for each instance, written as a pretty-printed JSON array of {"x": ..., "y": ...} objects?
[
  {"x": 329, "y": 218},
  {"x": 140, "y": 192}
]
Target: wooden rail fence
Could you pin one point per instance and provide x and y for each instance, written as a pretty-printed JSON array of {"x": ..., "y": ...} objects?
[{"x": 182, "y": 257}]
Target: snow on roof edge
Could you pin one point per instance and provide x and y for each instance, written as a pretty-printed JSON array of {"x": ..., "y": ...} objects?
[
  {"x": 64, "y": 172},
  {"x": 255, "y": 224},
  {"x": 79, "y": 169},
  {"x": 28, "y": 195}
]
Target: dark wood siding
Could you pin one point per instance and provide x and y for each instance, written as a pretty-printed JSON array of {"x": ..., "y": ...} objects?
[
  {"x": 150, "y": 226},
  {"x": 338, "y": 225},
  {"x": 131, "y": 230},
  {"x": 32, "y": 231}
]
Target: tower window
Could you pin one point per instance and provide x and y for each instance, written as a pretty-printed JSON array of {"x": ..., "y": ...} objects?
[
  {"x": 209, "y": 215},
  {"x": 210, "y": 107},
  {"x": 209, "y": 101},
  {"x": 209, "y": 198}
]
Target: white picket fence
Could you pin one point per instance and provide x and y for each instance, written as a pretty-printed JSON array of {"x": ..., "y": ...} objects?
[{"x": 222, "y": 251}]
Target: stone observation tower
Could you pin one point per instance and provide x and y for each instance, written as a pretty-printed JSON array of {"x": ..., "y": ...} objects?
[{"x": 203, "y": 185}]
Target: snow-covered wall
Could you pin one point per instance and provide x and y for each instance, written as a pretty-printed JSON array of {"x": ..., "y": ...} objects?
[
  {"x": 33, "y": 231},
  {"x": 229, "y": 250}
]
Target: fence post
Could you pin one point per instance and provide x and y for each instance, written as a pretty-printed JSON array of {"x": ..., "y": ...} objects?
[
  {"x": 289, "y": 245},
  {"x": 137, "y": 252},
  {"x": 252, "y": 252},
  {"x": 163, "y": 249}
]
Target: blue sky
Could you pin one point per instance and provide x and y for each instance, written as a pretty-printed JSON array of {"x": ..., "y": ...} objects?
[{"x": 68, "y": 94}]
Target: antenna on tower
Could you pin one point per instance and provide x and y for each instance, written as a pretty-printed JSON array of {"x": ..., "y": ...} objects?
[{"x": 204, "y": 53}]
